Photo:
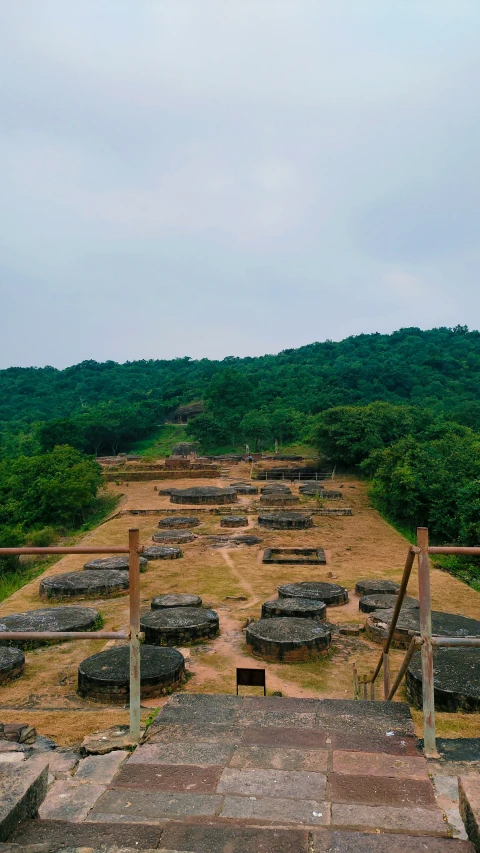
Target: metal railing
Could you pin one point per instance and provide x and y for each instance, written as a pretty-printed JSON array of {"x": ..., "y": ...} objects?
[
  {"x": 426, "y": 642},
  {"x": 134, "y": 635}
]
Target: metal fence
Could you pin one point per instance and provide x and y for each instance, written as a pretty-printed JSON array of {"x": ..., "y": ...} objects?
[
  {"x": 426, "y": 641},
  {"x": 133, "y": 635}
]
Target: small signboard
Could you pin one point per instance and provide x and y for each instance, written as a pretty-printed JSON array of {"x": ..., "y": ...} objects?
[{"x": 251, "y": 678}]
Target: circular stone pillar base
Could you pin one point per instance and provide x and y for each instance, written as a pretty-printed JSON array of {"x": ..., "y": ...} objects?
[
  {"x": 288, "y": 640},
  {"x": 456, "y": 678},
  {"x": 120, "y": 563},
  {"x": 12, "y": 664},
  {"x": 297, "y": 608},
  {"x": 91, "y": 584},
  {"x": 179, "y": 626},
  {"x": 234, "y": 521},
  {"x": 370, "y": 603},
  {"x": 275, "y": 488},
  {"x": 443, "y": 625},
  {"x": 171, "y": 537},
  {"x": 330, "y": 593},
  {"x": 245, "y": 489},
  {"x": 203, "y": 495},
  {"x": 177, "y": 599},
  {"x": 285, "y": 521},
  {"x": 178, "y": 522},
  {"x": 376, "y": 586},
  {"x": 105, "y": 677},
  {"x": 279, "y": 499},
  {"x": 48, "y": 619},
  {"x": 162, "y": 552}
]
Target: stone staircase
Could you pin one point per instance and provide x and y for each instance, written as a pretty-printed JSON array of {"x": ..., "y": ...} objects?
[{"x": 228, "y": 774}]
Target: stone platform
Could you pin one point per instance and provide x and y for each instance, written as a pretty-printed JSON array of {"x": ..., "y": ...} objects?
[
  {"x": 105, "y": 677},
  {"x": 299, "y": 556},
  {"x": 292, "y": 640},
  {"x": 98, "y": 583},
  {"x": 228, "y": 774},
  {"x": 179, "y": 626},
  {"x": 120, "y": 563},
  {"x": 384, "y": 601},
  {"x": 72, "y": 618},
  {"x": 456, "y": 678},
  {"x": 330, "y": 593},
  {"x": 443, "y": 625}
]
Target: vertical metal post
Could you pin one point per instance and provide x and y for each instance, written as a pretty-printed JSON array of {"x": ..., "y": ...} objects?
[
  {"x": 429, "y": 743},
  {"x": 372, "y": 686},
  {"x": 386, "y": 674},
  {"x": 134, "y": 572}
]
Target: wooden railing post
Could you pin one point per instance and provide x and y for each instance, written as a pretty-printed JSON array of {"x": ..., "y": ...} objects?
[
  {"x": 429, "y": 742},
  {"x": 134, "y": 572}
]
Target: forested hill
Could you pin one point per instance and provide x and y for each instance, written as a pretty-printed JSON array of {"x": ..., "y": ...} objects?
[{"x": 439, "y": 368}]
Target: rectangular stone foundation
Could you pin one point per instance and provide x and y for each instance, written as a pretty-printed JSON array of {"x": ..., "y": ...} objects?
[{"x": 300, "y": 556}]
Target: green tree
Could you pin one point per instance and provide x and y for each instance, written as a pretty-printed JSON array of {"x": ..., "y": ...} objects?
[
  {"x": 61, "y": 431},
  {"x": 255, "y": 427},
  {"x": 348, "y": 434}
]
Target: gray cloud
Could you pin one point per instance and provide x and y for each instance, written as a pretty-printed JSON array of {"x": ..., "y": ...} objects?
[{"x": 209, "y": 178}]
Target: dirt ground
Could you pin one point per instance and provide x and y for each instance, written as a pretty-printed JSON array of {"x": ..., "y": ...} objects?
[{"x": 234, "y": 582}]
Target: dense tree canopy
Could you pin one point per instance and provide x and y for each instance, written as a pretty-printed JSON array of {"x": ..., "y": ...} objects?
[{"x": 437, "y": 369}]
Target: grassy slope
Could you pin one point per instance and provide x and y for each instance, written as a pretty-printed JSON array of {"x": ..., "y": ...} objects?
[{"x": 161, "y": 442}]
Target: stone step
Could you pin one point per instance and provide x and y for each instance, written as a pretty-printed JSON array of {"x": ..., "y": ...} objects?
[
  {"x": 64, "y": 832},
  {"x": 237, "y": 838},
  {"x": 469, "y": 790},
  {"x": 23, "y": 787}
]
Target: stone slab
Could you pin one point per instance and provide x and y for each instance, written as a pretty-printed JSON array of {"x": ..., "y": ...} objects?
[
  {"x": 378, "y": 764},
  {"x": 198, "y": 714},
  {"x": 384, "y": 818},
  {"x": 22, "y": 790},
  {"x": 335, "y": 841},
  {"x": 64, "y": 833},
  {"x": 365, "y": 717},
  {"x": 279, "y": 703},
  {"x": 277, "y": 809},
  {"x": 62, "y": 761},
  {"x": 284, "y": 737},
  {"x": 12, "y": 758},
  {"x": 99, "y": 743},
  {"x": 393, "y": 745},
  {"x": 157, "y": 804},
  {"x": 279, "y": 719},
  {"x": 183, "y": 733},
  {"x": 183, "y": 753},
  {"x": 70, "y": 800},
  {"x": 233, "y": 839},
  {"x": 469, "y": 794},
  {"x": 380, "y": 791},
  {"x": 168, "y": 777},
  {"x": 273, "y": 783},
  {"x": 100, "y": 768},
  {"x": 264, "y": 757}
]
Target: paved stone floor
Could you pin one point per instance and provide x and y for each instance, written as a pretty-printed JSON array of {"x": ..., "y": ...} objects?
[{"x": 227, "y": 774}]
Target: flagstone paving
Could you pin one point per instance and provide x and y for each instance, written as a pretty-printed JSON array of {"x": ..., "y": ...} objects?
[{"x": 227, "y": 774}]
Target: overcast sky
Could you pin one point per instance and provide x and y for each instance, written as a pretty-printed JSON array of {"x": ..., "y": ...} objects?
[{"x": 234, "y": 177}]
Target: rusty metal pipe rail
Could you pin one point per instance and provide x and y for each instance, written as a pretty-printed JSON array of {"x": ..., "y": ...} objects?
[
  {"x": 85, "y": 549},
  {"x": 398, "y": 605},
  {"x": 438, "y": 549},
  {"x": 134, "y": 635}
]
